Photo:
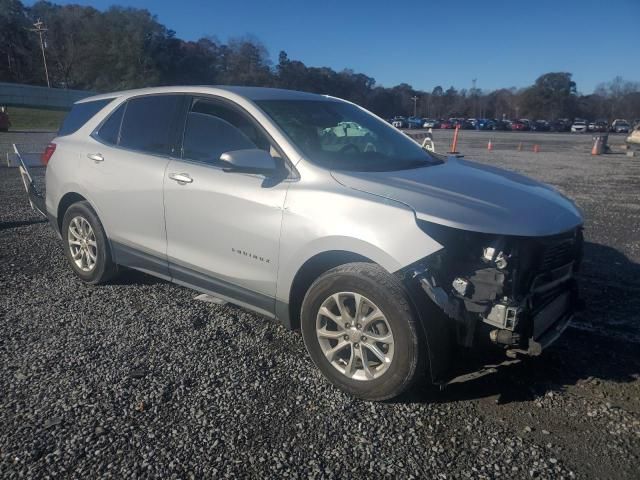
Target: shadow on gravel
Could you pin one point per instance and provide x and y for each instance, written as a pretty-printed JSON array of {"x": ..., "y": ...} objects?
[
  {"x": 578, "y": 357},
  {"x": 20, "y": 223},
  {"x": 602, "y": 344},
  {"x": 134, "y": 277}
]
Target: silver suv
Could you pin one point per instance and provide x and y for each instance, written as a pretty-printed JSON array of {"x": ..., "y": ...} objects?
[{"x": 308, "y": 209}]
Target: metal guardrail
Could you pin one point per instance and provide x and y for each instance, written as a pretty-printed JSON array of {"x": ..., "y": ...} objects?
[{"x": 20, "y": 95}]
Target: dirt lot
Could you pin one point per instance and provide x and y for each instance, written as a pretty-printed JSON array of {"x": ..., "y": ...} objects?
[{"x": 137, "y": 378}]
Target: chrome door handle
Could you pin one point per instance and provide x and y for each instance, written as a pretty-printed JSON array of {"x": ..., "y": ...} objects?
[
  {"x": 181, "y": 178},
  {"x": 96, "y": 157}
]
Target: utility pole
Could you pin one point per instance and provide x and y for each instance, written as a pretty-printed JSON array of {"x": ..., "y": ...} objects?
[
  {"x": 474, "y": 97},
  {"x": 39, "y": 28},
  {"x": 415, "y": 105}
]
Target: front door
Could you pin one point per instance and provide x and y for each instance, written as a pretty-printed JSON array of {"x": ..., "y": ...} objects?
[{"x": 223, "y": 228}]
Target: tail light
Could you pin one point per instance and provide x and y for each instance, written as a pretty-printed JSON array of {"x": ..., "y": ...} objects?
[{"x": 48, "y": 151}]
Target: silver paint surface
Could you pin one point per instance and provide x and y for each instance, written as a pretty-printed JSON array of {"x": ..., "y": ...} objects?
[
  {"x": 206, "y": 222},
  {"x": 470, "y": 196}
]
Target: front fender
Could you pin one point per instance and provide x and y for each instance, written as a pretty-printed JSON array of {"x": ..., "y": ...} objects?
[{"x": 379, "y": 229}]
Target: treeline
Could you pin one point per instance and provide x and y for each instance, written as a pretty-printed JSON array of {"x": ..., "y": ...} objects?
[{"x": 123, "y": 48}]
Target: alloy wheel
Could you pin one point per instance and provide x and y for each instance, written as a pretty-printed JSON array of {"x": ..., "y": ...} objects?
[
  {"x": 82, "y": 244},
  {"x": 355, "y": 336}
]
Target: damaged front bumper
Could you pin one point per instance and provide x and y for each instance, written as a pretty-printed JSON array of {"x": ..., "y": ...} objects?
[
  {"x": 548, "y": 324},
  {"x": 513, "y": 294}
]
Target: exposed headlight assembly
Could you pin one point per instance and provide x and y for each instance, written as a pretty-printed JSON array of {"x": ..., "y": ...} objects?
[
  {"x": 504, "y": 316},
  {"x": 498, "y": 258},
  {"x": 460, "y": 285}
]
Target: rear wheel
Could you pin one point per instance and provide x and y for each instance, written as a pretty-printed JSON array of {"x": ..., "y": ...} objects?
[
  {"x": 360, "y": 331},
  {"x": 86, "y": 245}
]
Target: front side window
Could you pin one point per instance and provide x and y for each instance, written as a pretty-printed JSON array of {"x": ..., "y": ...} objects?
[
  {"x": 80, "y": 114},
  {"x": 213, "y": 128},
  {"x": 342, "y": 136},
  {"x": 147, "y": 124}
]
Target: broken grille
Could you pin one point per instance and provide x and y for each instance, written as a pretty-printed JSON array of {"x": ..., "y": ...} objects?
[{"x": 557, "y": 254}]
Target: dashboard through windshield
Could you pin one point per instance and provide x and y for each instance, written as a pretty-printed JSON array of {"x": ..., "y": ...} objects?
[{"x": 342, "y": 136}]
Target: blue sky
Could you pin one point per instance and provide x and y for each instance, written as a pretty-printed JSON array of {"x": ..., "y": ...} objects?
[{"x": 426, "y": 43}]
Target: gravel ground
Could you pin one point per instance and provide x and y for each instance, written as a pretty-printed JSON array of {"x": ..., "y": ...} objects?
[{"x": 137, "y": 379}]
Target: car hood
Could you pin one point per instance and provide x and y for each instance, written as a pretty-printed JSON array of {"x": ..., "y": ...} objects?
[{"x": 474, "y": 197}]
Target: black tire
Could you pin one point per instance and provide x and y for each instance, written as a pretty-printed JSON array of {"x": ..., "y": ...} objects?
[
  {"x": 389, "y": 295},
  {"x": 104, "y": 269}
]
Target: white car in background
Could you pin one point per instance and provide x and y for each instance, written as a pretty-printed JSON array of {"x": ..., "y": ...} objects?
[{"x": 579, "y": 126}]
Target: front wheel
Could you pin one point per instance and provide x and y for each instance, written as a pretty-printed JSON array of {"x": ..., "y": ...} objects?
[{"x": 360, "y": 331}]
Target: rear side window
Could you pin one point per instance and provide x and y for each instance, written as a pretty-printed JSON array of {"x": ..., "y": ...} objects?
[
  {"x": 147, "y": 124},
  {"x": 109, "y": 132},
  {"x": 80, "y": 114}
]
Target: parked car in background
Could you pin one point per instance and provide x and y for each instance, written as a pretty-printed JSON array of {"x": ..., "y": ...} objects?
[
  {"x": 499, "y": 125},
  {"x": 517, "y": 125},
  {"x": 560, "y": 125},
  {"x": 5, "y": 123},
  {"x": 393, "y": 262},
  {"x": 399, "y": 122},
  {"x": 446, "y": 124},
  {"x": 485, "y": 124},
  {"x": 579, "y": 126},
  {"x": 599, "y": 126},
  {"x": 540, "y": 126},
  {"x": 527, "y": 122},
  {"x": 620, "y": 126},
  {"x": 469, "y": 124},
  {"x": 414, "y": 122},
  {"x": 431, "y": 123}
]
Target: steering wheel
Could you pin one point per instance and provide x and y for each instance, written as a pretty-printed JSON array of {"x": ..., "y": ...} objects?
[{"x": 349, "y": 146}]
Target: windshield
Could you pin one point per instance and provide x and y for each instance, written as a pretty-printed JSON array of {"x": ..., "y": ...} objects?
[{"x": 341, "y": 136}]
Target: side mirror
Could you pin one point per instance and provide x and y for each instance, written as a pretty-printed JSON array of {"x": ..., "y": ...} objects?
[{"x": 251, "y": 160}]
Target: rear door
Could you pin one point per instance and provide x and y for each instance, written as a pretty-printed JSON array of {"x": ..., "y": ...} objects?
[
  {"x": 125, "y": 169},
  {"x": 223, "y": 228}
]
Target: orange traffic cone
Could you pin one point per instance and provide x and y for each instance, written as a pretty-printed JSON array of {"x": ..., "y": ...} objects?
[
  {"x": 536, "y": 148},
  {"x": 520, "y": 147},
  {"x": 454, "y": 144},
  {"x": 595, "y": 150},
  {"x": 489, "y": 146}
]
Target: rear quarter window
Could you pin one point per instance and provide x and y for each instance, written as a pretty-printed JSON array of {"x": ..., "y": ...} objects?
[
  {"x": 80, "y": 114},
  {"x": 109, "y": 131}
]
